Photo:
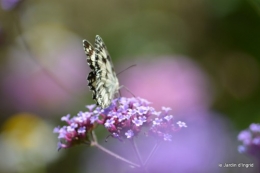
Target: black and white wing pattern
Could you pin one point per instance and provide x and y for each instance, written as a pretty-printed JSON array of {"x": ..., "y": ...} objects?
[{"x": 102, "y": 79}]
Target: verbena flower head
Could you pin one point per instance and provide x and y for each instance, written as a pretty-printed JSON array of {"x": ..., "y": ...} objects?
[
  {"x": 77, "y": 129},
  {"x": 251, "y": 140},
  {"x": 124, "y": 119}
]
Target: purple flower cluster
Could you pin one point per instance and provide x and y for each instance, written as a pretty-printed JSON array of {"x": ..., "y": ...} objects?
[
  {"x": 251, "y": 140},
  {"x": 77, "y": 130},
  {"x": 123, "y": 119},
  {"x": 163, "y": 124}
]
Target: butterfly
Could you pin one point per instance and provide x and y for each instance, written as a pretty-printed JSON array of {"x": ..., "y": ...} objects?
[{"x": 102, "y": 79}]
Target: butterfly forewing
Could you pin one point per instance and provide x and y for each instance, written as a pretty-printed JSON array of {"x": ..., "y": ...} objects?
[
  {"x": 90, "y": 52},
  {"x": 102, "y": 80}
]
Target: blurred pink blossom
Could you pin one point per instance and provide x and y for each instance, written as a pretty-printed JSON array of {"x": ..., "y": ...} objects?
[
  {"x": 27, "y": 86},
  {"x": 177, "y": 82}
]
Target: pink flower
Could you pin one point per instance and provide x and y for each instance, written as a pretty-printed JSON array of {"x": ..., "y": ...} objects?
[
  {"x": 27, "y": 86},
  {"x": 177, "y": 82}
]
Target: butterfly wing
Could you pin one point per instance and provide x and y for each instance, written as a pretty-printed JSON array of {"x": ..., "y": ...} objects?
[
  {"x": 90, "y": 52},
  {"x": 102, "y": 79}
]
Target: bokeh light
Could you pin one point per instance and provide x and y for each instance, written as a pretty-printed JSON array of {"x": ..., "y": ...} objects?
[
  {"x": 22, "y": 144},
  {"x": 201, "y": 58}
]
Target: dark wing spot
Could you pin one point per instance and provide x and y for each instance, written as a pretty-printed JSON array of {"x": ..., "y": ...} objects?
[
  {"x": 104, "y": 60},
  {"x": 91, "y": 80},
  {"x": 87, "y": 48},
  {"x": 103, "y": 45},
  {"x": 108, "y": 57},
  {"x": 96, "y": 57}
]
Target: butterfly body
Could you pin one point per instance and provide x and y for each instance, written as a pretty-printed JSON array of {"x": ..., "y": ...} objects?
[{"x": 102, "y": 79}]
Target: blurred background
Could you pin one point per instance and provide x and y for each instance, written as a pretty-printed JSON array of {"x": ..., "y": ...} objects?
[{"x": 199, "y": 57}]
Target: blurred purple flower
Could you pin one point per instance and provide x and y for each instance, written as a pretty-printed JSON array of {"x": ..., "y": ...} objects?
[
  {"x": 177, "y": 82},
  {"x": 251, "y": 140},
  {"x": 192, "y": 148},
  {"x": 122, "y": 119},
  {"x": 197, "y": 149},
  {"x": 255, "y": 128},
  {"x": 9, "y": 4},
  {"x": 28, "y": 87}
]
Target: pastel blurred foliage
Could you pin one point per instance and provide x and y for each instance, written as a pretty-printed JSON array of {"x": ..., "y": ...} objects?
[{"x": 200, "y": 57}]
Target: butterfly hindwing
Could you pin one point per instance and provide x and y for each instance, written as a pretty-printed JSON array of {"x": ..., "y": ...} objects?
[{"x": 102, "y": 80}]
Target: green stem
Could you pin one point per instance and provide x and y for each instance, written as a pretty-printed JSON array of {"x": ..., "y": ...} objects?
[
  {"x": 113, "y": 154},
  {"x": 137, "y": 152},
  {"x": 151, "y": 153},
  {"x": 138, "y": 155},
  {"x": 94, "y": 136},
  {"x": 95, "y": 143}
]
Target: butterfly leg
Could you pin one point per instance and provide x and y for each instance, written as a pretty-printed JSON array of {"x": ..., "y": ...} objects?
[{"x": 120, "y": 95}]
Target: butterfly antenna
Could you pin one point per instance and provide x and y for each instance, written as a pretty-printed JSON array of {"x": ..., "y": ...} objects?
[
  {"x": 128, "y": 90},
  {"x": 126, "y": 69},
  {"x": 125, "y": 86}
]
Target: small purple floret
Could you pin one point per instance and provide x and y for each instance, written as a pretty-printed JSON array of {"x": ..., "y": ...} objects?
[
  {"x": 129, "y": 134},
  {"x": 181, "y": 124}
]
